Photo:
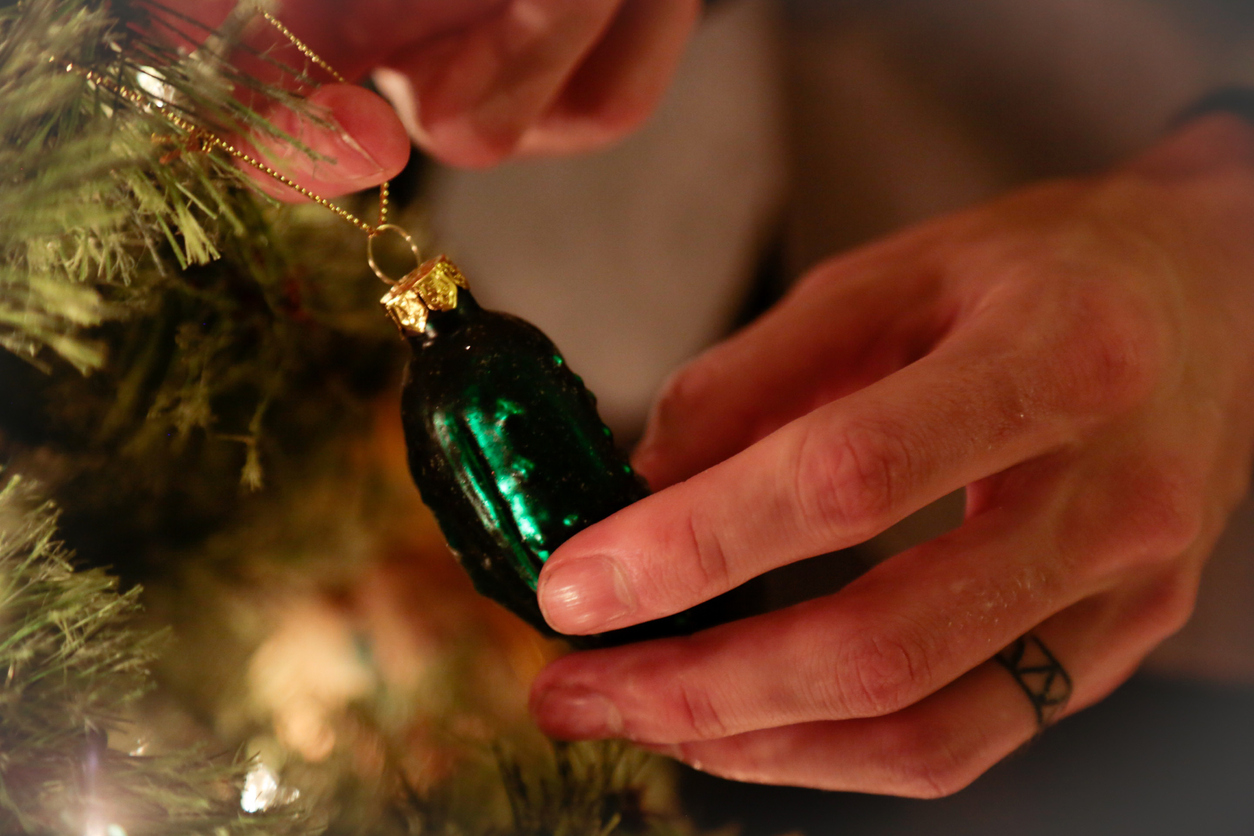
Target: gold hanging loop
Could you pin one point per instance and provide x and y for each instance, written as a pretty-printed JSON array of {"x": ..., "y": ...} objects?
[{"x": 374, "y": 233}]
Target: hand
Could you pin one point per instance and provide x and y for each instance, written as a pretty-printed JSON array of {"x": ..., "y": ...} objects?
[
  {"x": 1079, "y": 356},
  {"x": 474, "y": 81}
]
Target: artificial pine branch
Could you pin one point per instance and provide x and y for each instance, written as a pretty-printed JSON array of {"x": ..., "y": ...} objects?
[
  {"x": 584, "y": 789},
  {"x": 213, "y": 345},
  {"x": 151, "y": 264},
  {"x": 75, "y": 659},
  {"x": 93, "y": 209}
]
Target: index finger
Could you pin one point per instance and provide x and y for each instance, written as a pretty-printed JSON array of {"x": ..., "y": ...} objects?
[{"x": 976, "y": 406}]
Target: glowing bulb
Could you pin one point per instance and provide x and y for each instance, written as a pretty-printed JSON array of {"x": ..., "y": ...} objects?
[
  {"x": 154, "y": 85},
  {"x": 262, "y": 790}
]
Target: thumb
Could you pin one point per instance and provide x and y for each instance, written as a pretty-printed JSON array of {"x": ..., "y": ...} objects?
[{"x": 355, "y": 138}]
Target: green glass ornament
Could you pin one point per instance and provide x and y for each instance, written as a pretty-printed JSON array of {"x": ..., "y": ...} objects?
[{"x": 505, "y": 443}]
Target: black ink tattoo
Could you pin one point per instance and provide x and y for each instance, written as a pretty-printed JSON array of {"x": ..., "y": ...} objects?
[{"x": 1041, "y": 676}]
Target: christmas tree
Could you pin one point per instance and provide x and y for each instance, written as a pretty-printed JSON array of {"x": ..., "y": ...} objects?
[{"x": 201, "y": 382}]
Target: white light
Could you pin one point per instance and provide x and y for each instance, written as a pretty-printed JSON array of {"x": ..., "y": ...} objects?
[
  {"x": 96, "y": 828},
  {"x": 152, "y": 83},
  {"x": 262, "y": 790}
]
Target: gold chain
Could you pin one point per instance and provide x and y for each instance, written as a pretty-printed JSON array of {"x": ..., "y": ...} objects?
[
  {"x": 204, "y": 140},
  {"x": 301, "y": 45}
]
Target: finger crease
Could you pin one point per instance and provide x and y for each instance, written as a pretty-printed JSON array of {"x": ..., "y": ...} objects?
[
  {"x": 711, "y": 559},
  {"x": 702, "y": 716}
]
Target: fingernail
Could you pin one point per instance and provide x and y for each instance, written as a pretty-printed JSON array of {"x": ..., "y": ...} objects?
[
  {"x": 337, "y": 153},
  {"x": 577, "y": 714},
  {"x": 580, "y": 595},
  {"x": 345, "y": 156}
]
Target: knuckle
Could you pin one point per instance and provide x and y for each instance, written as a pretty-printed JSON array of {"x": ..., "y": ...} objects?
[
  {"x": 682, "y": 394},
  {"x": 850, "y": 483},
  {"x": 1166, "y": 509},
  {"x": 457, "y": 141},
  {"x": 619, "y": 116},
  {"x": 1110, "y": 349},
  {"x": 881, "y": 675},
  {"x": 1146, "y": 512},
  {"x": 712, "y": 572},
  {"x": 1155, "y": 515},
  {"x": 698, "y": 712},
  {"x": 923, "y": 764}
]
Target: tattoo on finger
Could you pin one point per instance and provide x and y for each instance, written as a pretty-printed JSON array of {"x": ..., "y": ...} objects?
[{"x": 1041, "y": 676}]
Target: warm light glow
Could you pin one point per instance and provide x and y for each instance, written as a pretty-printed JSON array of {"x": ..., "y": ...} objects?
[
  {"x": 262, "y": 790},
  {"x": 150, "y": 82},
  {"x": 96, "y": 827},
  {"x": 308, "y": 671}
]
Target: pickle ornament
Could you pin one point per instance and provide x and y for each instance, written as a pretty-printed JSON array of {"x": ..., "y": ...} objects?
[{"x": 504, "y": 442}]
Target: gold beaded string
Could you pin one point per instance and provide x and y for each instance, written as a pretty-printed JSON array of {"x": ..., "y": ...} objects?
[
  {"x": 205, "y": 141},
  {"x": 301, "y": 45}
]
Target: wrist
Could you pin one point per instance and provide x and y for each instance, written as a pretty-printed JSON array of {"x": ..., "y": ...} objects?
[{"x": 1200, "y": 179}]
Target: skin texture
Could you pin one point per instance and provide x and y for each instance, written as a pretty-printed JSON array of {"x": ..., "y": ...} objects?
[{"x": 1077, "y": 355}]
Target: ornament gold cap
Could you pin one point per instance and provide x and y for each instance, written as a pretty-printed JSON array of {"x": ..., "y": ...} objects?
[{"x": 431, "y": 287}]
